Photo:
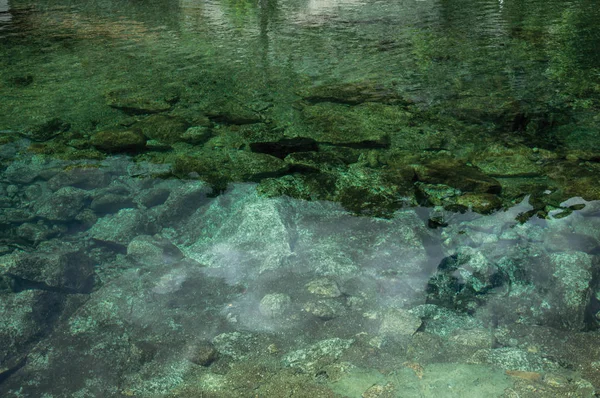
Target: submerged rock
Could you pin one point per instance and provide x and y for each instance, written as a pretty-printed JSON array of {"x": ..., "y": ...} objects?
[
  {"x": 353, "y": 93},
  {"x": 135, "y": 102},
  {"x": 202, "y": 353},
  {"x": 83, "y": 176},
  {"x": 462, "y": 279},
  {"x": 398, "y": 324},
  {"x": 456, "y": 174},
  {"x": 219, "y": 167},
  {"x": 274, "y": 305},
  {"x": 364, "y": 126},
  {"x": 110, "y": 203},
  {"x": 53, "y": 267},
  {"x": 324, "y": 309},
  {"x": 48, "y": 129},
  {"x": 513, "y": 359},
  {"x": 163, "y": 128},
  {"x": 122, "y": 227},
  {"x": 26, "y": 317},
  {"x": 569, "y": 288},
  {"x": 318, "y": 355},
  {"x": 324, "y": 287},
  {"x": 64, "y": 204},
  {"x": 119, "y": 140},
  {"x": 483, "y": 203},
  {"x": 149, "y": 251}
]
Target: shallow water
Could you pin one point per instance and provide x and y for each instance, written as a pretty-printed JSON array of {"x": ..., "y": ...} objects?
[{"x": 237, "y": 198}]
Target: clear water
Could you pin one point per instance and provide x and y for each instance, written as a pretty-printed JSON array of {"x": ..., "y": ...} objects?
[{"x": 236, "y": 198}]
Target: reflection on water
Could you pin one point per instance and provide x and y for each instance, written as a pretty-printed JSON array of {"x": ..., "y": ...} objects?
[
  {"x": 5, "y": 16},
  {"x": 238, "y": 198}
]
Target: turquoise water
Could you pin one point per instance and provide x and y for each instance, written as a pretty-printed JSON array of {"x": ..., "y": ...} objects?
[{"x": 313, "y": 198}]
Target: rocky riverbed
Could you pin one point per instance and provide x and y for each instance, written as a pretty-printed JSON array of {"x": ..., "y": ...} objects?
[{"x": 116, "y": 283}]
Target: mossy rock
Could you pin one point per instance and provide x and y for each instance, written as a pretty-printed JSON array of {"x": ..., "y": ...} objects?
[
  {"x": 454, "y": 173},
  {"x": 435, "y": 194},
  {"x": 196, "y": 135},
  {"x": 222, "y": 166},
  {"x": 163, "y": 128},
  {"x": 364, "y": 126},
  {"x": 577, "y": 180},
  {"x": 312, "y": 161},
  {"x": 314, "y": 186},
  {"x": 116, "y": 140},
  {"x": 483, "y": 203},
  {"x": 370, "y": 199},
  {"x": 515, "y": 165}
]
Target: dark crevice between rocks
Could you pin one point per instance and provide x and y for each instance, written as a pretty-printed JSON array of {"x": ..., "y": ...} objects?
[
  {"x": 111, "y": 246},
  {"x": 7, "y": 371},
  {"x": 286, "y": 146},
  {"x": 384, "y": 143},
  {"x": 222, "y": 118},
  {"x": 18, "y": 284}
]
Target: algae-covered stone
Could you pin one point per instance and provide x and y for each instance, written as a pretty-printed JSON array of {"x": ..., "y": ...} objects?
[
  {"x": 452, "y": 172},
  {"x": 274, "y": 305},
  {"x": 483, "y": 203},
  {"x": 221, "y": 166},
  {"x": 324, "y": 287},
  {"x": 324, "y": 309},
  {"x": 163, "y": 128},
  {"x": 313, "y": 186},
  {"x": 362, "y": 190},
  {"x": 519, "y": 161},
  {"x": 116, "y": 140},
  {"x": 315, "y": 161},
  {"x": 436, "y": 194},
  {"x": 196, "y": 135}
]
